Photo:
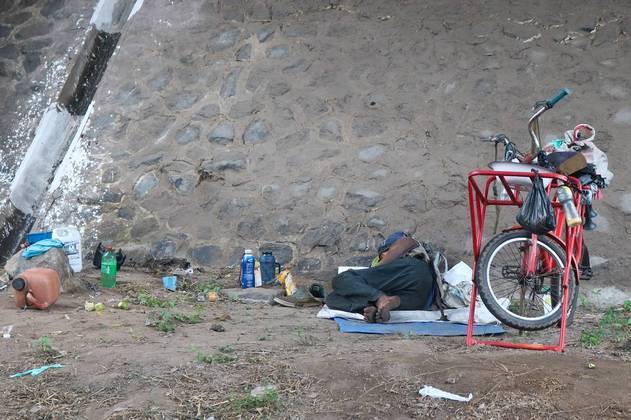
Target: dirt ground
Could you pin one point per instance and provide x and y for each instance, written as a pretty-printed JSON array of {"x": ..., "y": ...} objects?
[{"x": 116, "y": 367}]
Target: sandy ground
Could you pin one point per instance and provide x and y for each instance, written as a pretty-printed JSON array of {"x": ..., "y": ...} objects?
[{"x": 117, "y": 367}]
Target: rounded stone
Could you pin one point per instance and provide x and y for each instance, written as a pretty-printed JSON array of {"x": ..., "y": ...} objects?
[
  {"x": 265, "y": 33},
  {"x": 331, "y": 130},
  {"x": 183, "y": 183},
  {"x": 364, "y": 198},
  {"x": 223, "y": 133},
  {"x": 160, "y": 80},
  {"x": 371, "y": 154},
  {"x": 18, "y": 18},
  {"x": 275, "y": 90},
  {"x": 51, "y": 7},
  {"x": 126, "y": 213},
  {"x": 9, "y": 51},
  {"x": 34, "y": 30},
  {"x": 208, "y": 255},
  {"x": 187, "y": 135},
  {"x": 279, "y": 51},
  {"x": 163, "y": 250},
  {"x": 209, "y": 111},
  {"x": 368, "y": 126},
  {"x": 327, "y": 193},
  {"x": 244, "y": 53},
  {"x": 31, "y": 62},
  {"x": 182, "y": 100},
  {"x": 229, "y": 86},
  {"x": 145, "y": 185},
  {"x": 144, "y": 227},
  {"x": 225, "y": 39},
  {"x": 306, "y": 265},
  {"x": 283, "y": 254},
  {"x": 256, "y": 132},
  {"x": 5, "y": 30}
]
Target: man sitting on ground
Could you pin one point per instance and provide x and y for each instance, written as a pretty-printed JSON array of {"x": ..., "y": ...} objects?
[{"x": 398, "y": 281}]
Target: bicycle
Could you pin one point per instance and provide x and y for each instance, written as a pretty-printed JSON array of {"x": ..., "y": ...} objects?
[{"x": 528, "y": 281}]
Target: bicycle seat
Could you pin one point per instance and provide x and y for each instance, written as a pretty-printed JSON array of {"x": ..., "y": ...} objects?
[{"x": 525, "y": 168}]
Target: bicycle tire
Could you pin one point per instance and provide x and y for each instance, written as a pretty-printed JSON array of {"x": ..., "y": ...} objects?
[{"x": 492, "y": 302}]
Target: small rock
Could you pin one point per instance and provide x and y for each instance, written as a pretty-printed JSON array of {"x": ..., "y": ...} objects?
[
  {"x": 229, "y": 86},
  {"x": 160, "y": 81},
  {"x": 364, "y": 198},
  {"x": 207, "y": 255},
  {"x": 223, "y": 133},
  {"x": 163, "y": 250},
  {"x": 307, "y": 265},
  {"x": 376, "y": 223},
  {"x": 325, "y": 235},
  {"x": 265, "y": 33},
  {"x": 282, "y": 253},
  {"x": 251, "y": 228},
  {"x": 275, "y": 90},
  {"x": 279, "y": 51},
  {"x": 243, "y": 109},
  {"x": 145, "y": 185},
  {"x": 9, "y": 52},
  {"x": 327, "y": 193},
  {"x": 51, "y": 6},
  {"x": 226, "y": 39},
  {"x": 144, "y": 227},
  {"x": 331, "y": 130},
  {"x": 112, "y": 196},
  {"x": 209, "y": 111},
  {"x": 371, "y": 154},
  {"x": 147, "y": 160},
  {"x": 217, "y": 328},
  {"x": 110, "y": 175},
  {"x": 225, "y": 162},
  {"x": 256, "y": 132},
  {"x": 259, "y": 12},
  {"x": 126, "y": 213},
  {"x": 31, "y": 62},
  {"x": 183, "y": 183},
  {"x": 182, "y": 100},
  {"x": 187, "y": 135},
  {"x": 368, "y": 126},
  {"x": 244, "y": 53},
  {"x": 34, "y": 30}
]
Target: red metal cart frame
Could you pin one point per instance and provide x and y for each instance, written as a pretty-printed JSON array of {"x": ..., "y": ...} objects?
[{"x": 570, "y": 238}]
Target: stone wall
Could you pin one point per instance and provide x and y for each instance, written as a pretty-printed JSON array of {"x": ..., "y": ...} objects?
[{"x": 314, "y": 129}]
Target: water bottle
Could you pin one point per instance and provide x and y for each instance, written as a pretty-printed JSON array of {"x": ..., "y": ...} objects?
[
  {"x": 268, "y": 267},
  {"x": 108, "y": 268},
  {"x": 564, "y": 195},
  {"x": 247, "y": 269}
]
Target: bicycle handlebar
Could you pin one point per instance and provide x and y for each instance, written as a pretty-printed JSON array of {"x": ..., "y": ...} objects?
[{"x": 550, "y": 103}]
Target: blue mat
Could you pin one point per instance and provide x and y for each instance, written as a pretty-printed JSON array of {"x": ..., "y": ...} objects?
[{"x": 416, "y": 328}]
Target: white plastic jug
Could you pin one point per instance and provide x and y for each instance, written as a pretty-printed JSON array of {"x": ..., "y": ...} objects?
[{"x": 71, "y": 239}]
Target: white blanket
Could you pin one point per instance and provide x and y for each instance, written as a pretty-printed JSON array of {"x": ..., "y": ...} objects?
[{"x": 460, "y": 315}]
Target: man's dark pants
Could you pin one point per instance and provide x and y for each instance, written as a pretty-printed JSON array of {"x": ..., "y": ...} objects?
[{"x": 409, "y": 278}]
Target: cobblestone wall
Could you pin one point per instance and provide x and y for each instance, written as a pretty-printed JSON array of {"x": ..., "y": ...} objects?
[{"x": 314, "y": 130}]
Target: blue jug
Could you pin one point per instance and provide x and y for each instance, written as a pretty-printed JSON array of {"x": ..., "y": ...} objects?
[{"x": 268, "y": 267}]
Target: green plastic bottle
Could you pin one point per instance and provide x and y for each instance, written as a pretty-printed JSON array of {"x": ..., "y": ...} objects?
[{"x": 108, "y": 268}]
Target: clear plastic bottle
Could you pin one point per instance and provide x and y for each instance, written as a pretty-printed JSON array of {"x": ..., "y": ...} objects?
[
  {"x": 108, "y": 268},
  {"x": 564, "y": 195}
]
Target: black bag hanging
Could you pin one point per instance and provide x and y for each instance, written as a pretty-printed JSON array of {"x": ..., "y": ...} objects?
[{"x": 536, "y": 214}]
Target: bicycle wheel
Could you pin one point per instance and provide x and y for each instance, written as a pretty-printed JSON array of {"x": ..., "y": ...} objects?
[{"x": 520, "y": 301}]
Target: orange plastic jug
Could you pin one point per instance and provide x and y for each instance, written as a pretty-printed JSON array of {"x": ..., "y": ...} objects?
[{"x": 36, "y": 287}]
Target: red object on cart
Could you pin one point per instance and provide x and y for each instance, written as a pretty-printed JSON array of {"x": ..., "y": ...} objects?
[{"x": 570, "y": 238}]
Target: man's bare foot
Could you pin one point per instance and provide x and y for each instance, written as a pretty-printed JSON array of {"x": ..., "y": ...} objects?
[
  {"x": 370, "y": 312},
  {"x": 384, "y": 305}
]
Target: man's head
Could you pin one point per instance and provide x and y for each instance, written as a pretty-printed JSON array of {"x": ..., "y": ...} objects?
[{"x": 387, "y": 243}]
